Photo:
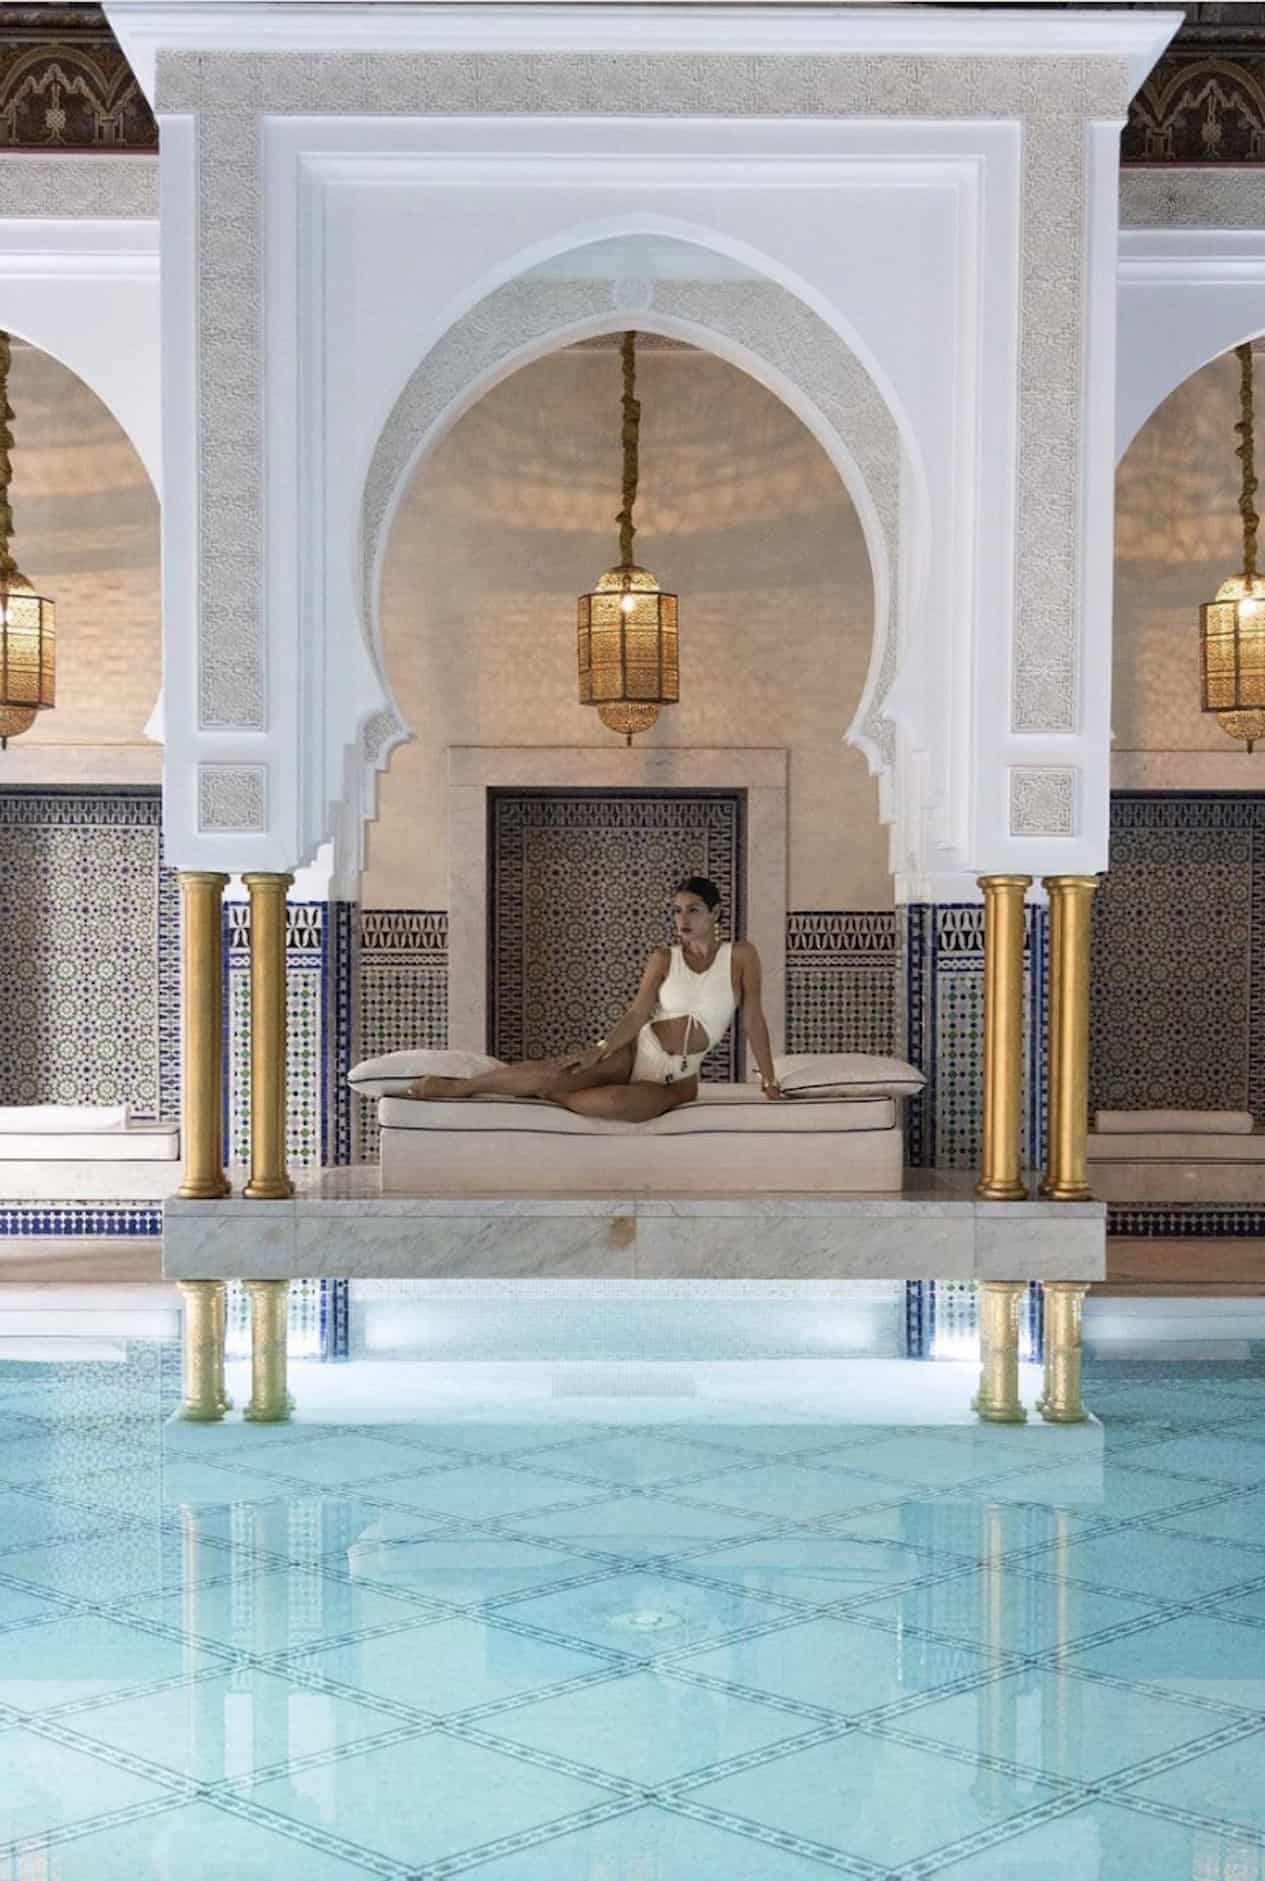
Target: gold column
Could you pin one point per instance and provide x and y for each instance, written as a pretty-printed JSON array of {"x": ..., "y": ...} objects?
[
  {"x": 1000, "y": 1178},
  {"x": 269, "y": 1181},
  {"x": 1060, "y": 1401},
  {"x": 997, "y": 1401},
  {"x": 202, "y": 1001},
  {"x": 1067, "y": 1114},
  {"x": 202, "y": 1347},
  {"x": 270, "y": 1402}
]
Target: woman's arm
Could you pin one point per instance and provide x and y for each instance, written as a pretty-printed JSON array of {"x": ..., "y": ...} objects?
[
  {"x": 750, "y": 985},
  {"x": 627, "y": 1027}
]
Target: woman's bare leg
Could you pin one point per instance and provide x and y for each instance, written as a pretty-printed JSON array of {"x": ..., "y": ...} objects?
[
  {"x": 628, "y": 1103},
  {"x": 538, "y": 1077}
]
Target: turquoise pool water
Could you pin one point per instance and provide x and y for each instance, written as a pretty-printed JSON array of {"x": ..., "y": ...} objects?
[{"x": 661, "y": 1633}]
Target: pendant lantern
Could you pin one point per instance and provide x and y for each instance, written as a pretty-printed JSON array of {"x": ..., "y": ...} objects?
[
  {"x": 27, "y": 634},
  {"x": 1232, "y": 627}
]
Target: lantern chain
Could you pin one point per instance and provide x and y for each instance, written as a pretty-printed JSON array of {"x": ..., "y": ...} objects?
[
  {"x": 1246, "y": 454},
  {"x": 8, "y": 567},
  {"x": 630, "y": 431}
]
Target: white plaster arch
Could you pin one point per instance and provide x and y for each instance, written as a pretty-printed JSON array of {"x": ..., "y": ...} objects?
[
  {"x": 1186, "y": 297},
  {"x": 758, "y": 326}
]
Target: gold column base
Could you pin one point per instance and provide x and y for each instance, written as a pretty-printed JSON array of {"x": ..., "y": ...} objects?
[
  {"x": 1064, "y": 1191},
  {"x": 997, "y": 1401},
  {"x": 270, "y": 1402},
  {"x": 202, "y": 1348},
  {"x": 1060, "y": 1401},
  {"x": 1015, "y": 1191},
  {"x": 268, "y": 1189}
]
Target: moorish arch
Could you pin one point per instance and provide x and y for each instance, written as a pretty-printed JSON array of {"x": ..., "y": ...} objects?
[{"x": 757, "y": 325}]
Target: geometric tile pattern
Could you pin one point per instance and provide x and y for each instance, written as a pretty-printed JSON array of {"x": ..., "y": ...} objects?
[
  {"x": 400, "y": 997},
  {"x": 306, "y": 1009},
  {"x": 1197, "y": 108},
  {"x": 771, "y": 1647},
  {"x": 556, "y": 983},
  {"x": 943, "y": 955},
  {"x": 841, "y": 981},
  {"x": 91, "y": 951},
  {"x": 71, "y": 90},
  {"x": 1179, "y": 1018}
]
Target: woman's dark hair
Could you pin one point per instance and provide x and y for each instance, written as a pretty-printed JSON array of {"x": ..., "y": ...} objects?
[{"x": 707, "y": 892}]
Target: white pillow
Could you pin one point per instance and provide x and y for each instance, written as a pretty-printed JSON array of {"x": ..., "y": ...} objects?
[
  {"x": 390, "y": 1076},
  {"x": 63, "y": 1119},
  {"x": 846, "y": 1074}
]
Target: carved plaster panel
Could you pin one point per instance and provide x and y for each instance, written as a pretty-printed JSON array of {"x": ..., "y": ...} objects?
[
  {"x": 1042, "y": 800},
  {"x": 101, "y": 187},
  {"x": 230, "y": 91},
  {"x": 1232, "y": 198},
  {"x": 232, "y": 797}
]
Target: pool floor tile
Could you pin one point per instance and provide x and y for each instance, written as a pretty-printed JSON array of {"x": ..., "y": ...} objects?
[
  {"x": 1153, "y": 1565},
  {"x": 870, "y": 1797},
  {"x": 1227, "y": 1784},
  {"x": 650, "y": 1844},
  {"x": 1201, "y": 1654},
  {"x": 87, "y": 1656},
  {"x": 46, "y": 1786},
  {"x": 644, "y": 1613},
  {"x": 418, "y": 1802},
  {"x": 192, "y": 1842},
  {"x": 1006, "y": 1610},
  {"x": 1108, "y": 1842}
]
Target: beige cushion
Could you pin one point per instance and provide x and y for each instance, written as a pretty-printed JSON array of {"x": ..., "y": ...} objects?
[
  {"x": 1172, "y": 1146},
  {"x": 728, "y": 1109},
  {"x": 391, "y": 1075},
  {"x": 731, "y": 1141},
  {"x": 63, "y": 1119},
  {"x": 847, "y": 1074},
  {"x": 1150, "y": 1122}
]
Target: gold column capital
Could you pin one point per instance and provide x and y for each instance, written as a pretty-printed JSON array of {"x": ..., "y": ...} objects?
[
  {"x": 1003, "y": 881},
  {"x": 1070, "y": 884},
  {"x": 267, "y": 882},
  {"x": 203, "y": 878}
]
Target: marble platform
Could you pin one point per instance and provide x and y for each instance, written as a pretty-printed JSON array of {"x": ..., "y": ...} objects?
[{"x": 339, "y": 1224}]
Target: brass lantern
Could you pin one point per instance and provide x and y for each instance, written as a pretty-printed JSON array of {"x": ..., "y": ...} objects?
[
  {"x": 27, "y": 634},
  {"x": 627, "y": 626},
  {"x": 1232, "y": 627}
]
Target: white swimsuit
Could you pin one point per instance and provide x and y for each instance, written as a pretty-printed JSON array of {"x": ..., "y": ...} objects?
[{"x": 706, "y": 998}]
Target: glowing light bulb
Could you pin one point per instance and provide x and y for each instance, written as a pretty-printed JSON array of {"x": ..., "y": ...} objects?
[{"x": 626, "y": 604}]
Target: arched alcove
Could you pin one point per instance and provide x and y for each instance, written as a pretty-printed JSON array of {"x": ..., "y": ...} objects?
[
  {"x": 511, "y": 514},
  {"x": 86, "y": 533}
]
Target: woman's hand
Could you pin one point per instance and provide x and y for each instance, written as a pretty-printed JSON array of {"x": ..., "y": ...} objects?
[
  {"x": 771, "y": 1088},
  {"x": 585, "y": 1061}
]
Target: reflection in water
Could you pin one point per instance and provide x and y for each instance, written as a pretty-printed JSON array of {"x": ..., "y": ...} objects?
[{"x": 579, "y": 1636}]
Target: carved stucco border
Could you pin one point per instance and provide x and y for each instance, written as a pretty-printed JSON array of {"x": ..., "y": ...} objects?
[
  {"x": 1173, "y": 197},
  {"x": 108, "y": 188},
  {"x": 762, "y": 318},
  {"x": 229, "y": 91}
]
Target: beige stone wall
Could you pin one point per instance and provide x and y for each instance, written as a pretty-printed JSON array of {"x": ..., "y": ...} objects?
[
  {"x": 1177, "y": 538},
  {"x": 739, "y": 511},
  {"x": 86, "y": 534}
]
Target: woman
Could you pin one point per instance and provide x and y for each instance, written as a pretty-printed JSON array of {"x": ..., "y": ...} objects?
[{"x": 649, "y": 1063}]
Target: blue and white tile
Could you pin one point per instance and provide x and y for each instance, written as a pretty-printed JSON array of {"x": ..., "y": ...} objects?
[
  {"x": 643, "y": 1526},
  {"x": 104, "y": 1568},
  {"x": 1227, "y": 1785},
  {"x": 655, "y": 1845},
  {"x": 648, "y": 1727},
  {"x": 86, "y": 1656},
  {"x": 1156, "y": 1567},
  {"x": 280, "y": 1610},
  {"x": 47, "y": 1786},
  {"x": 1063, "y": 1726},
  {"x": 644, "y": 1613},
  {"x": 1112, "y": 1493},
  {"x": 838, "y": 1666},
  {"x": 1008, "y": 1611},
  {"x": 1209, "y": 1457},
  {"x": 792, "y": 1491},
  {"x": 458, "y": 1664},
  {"x": 464, "y": 1570},
  {"x": 479, "y": 1491},
  {"x": 1107, "y": 1842},
  {"x": 870, "y": 1797},
  {"x": 817, "y": 1568},
  {"x": 1202, "y": 1654},
  {"x": 421, "y": 1803},
  {"x": 1235, "y": 1517},
  {"x": 197, "y": 1842},
  {"x": 216, "y": 1729}
]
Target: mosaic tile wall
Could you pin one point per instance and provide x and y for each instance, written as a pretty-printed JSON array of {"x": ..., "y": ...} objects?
[
  {"x": 578, "y": 889},
  {"x": 401, "y": 982},
  {"x": 1178, "y": 1014},
  {"x": 841, "y": 981},
  {"x": 89, "y": 937},
  {"x": 943, "y": 977}
]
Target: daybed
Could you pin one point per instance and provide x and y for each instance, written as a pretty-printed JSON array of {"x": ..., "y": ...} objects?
[
  {"x": 732, "y": 1140},
  {"x": 55, "y": 1152},
  {"x": 1163, "y": 1156},
  {"x": 839, "y": 1131}
]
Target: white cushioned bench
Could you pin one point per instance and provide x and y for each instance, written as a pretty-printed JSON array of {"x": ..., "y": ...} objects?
[
  {"x": 732, "y": 1139},
  {"x": 1177, "y": 1166},
  {"x": 131, "y": 1162}
]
